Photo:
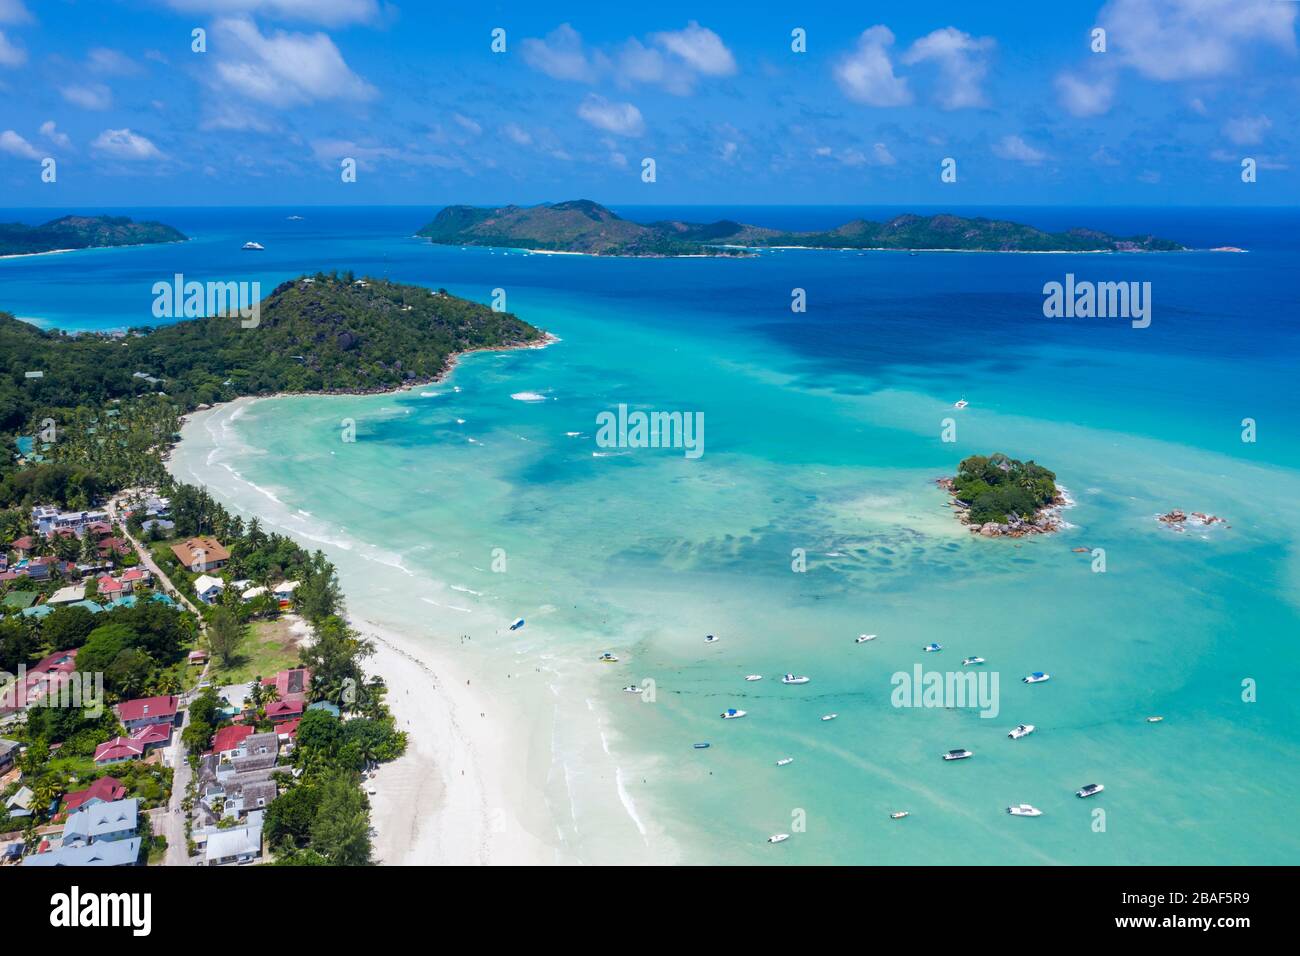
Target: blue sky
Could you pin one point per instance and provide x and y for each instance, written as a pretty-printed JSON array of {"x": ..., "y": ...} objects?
[{"x": 713, "y": 92}]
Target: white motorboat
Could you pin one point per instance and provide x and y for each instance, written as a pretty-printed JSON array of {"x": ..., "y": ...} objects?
[
  {"x": 607, "y": 658},
  {"x": 731, "y": 713},
  {"x": 959, "y": 754},
  {"x": 633, "y": 689},
  {"x": 791, "y": 679},
  {"x": 898, "y": 814},
  {"x": 1154, "y": 720},
  {"x": 1024, "y": 810},
  {"x": 829, "y": 716},
  {"x": 1089, "y": 790},
  {"x": 1021, "y": 730},
  {"x": 1037, "y": 677},
  {"x": 710, "y": 638},
  {"x": 516, "y": 624},
  {"x": 253, "y": 246},
  {"x": 972, "y": 660},
  {"x": 778, "y": 838},
  {"x": 863, "y": 638},
  {"x": 932, "y": 647},
  {"x": 960, "y": 403},
  {"x": 784, "y": 761},
  {"x": 752, "y": 677}
]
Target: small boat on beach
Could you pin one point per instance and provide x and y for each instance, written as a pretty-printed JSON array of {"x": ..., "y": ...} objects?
[
  {"x": 972, "y": 660},
  {"x": 791, "y": 679},
  {"x": 1037, "y": 677},
  {"x": 516, "y": 624},
  {"x": 785, "y": 761},
  {"x": 607, "y": 658},
  {"x": 1089, "y": 790},
  {"x": 958, "y": 754},
  {"x": 863, "y": 638},
  {"x": 932, "y": 648},
  {"x": 753, "y": 677},
  {"x": 1024, "y": 810},
  {"x": 253, "y": 246},
  {"x": 1021, "y": 730},
  {"x": 778, "y": 838},
  {"x": 731, "y": 713},
  {"x": 899, "y": 814}
]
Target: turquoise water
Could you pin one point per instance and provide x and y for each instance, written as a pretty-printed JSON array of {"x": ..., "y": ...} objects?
[{"x": 823, "y": 433}]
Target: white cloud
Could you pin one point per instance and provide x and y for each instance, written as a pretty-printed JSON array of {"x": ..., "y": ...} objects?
[
  {"x": 124, "y": 144},
  {"x": 15, "y": 145},
  {"x": 324, "y": 12},
  {"x": 867, "y": 76},
  {"x": 11, "y": 54},
  {"x": 560, "y": 55},
  {"x": 700, "y": 48},
  {"x": 516, "y": 134},
  {"x": 881, "y": 155},
  {"x": 50, "y": 132},
  {"x": 1194, "y": 39},
  {"x": 284, "y": 69},
  {"x": 1082, "y": 97},
  {"x": 91, "y": 96},
  {"x": 467, "y": 124},
  {"x": 673, "y": 60},
  {"x": 112, "y": 62},
  {"x": 961, "y": 61},
  {"x": 1247, "y": 130},
  {"x": 621, "y": 118},
  {"x": 1014, "y": 147},
  {"x": 13, "y": 11}
]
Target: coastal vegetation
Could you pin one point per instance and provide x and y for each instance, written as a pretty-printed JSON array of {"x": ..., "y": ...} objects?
[
  {"x": 82, "y": 232},
  {"x": 590, "y": 228},
  {"x": 1003, "y": 494}
]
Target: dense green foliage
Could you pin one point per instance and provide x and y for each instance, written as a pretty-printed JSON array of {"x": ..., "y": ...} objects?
[
  {"x": 82, "y": 232},
  {"x": 996, "y": 487},
  {"x": 585, "y": 226}
]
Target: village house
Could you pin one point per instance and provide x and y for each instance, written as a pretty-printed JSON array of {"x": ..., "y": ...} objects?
[
  {"x": 147, "y": 711},
  {"x": 9, "y": 750},
  {"x": 139, "y": 744},
  {"x": 201, "y": 554},
  {"x": 49, "y": 520},
  {"x": 291, "y": 684},
  {"x": 208, "y": 588},
  {"x": 114, "y": 820},
  {"x": 103, "y": 790},
  {"x": 235, "y": 845},
  {"x": 108, "y": 853}
]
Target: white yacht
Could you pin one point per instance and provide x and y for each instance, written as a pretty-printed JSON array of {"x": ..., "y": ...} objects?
[
  {"x": 1154, "y": 720},
  {"x": 731, "y": 713},
  {"x": 784, "y": 761},
  {"x": 253, "y": 246},
  {"x": 829, "y": 716},
  {"x": 752, "y": 677},
  {"x": 778, "y": 838},
  {"x": 1089, "y": 790},
  {"x": 863, "y": 638},
  {"x": 791, "y": 679},
  {"x": 898, "y": 814},
  {"x": 959, "y": 754},
  {"x": 931, "y": 648},
  {"x": 1022, "y": 730},
  {"x": 972, "y": 660},
  {"x": 1037, "y": 677},
  {"x": 1024, "y": 810}
]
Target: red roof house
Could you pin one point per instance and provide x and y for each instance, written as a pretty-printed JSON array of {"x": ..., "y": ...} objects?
[
  {"x": 283, "y": 710},
  {"x": 292, "y": 684},
  {"x": 103, "y": 790},
  {"x": 137, "y": 745},
  {"x": 145, "y": 711},
  {"x": 231, "y": 738}
]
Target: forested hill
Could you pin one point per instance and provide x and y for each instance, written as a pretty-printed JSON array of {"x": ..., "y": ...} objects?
[
  {"x": 82, "y": 232},
  {"x": 587, "y": 227},
  {"x": 315, "y": 333}
]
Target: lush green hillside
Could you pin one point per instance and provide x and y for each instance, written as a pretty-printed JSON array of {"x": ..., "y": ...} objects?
[
  {"x": 587, "y": 227},
  {"x": 82, "y": 232},
  {"x": 317, "y": 333}
]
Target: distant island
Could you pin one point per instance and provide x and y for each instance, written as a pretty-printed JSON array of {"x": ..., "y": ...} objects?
[
  {"x": 82, "y": 232},
  {"x": 996, "y": 495},
  {"x": 586, "y": 227}
]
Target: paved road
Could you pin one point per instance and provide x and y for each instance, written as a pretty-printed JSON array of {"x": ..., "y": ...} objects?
[{"x": 173, "y": 821}]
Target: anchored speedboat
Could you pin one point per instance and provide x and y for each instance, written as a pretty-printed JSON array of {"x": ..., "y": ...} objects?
[
  {"x": 253, "y": 246},
  {"x": 1021, "y": 730},
  {"x": 1089, "y": 790},
  {"x": 791, "y": 679},
  {"x": 829, "y": 716},
  {"x": 898, "y": 814},
  {"x": 932, "y": 647},
  {"x": 1024, "y": 810},
  {"x": 959, "y": 754},
  {"x": 753, "y": 677},
  {"x": 1037, "y": 677},
  {"x": 633, "y": 689},
  {"x": 972, "y": 660},
  {"x": 731, "y": 713},
  {"x": 778, "y": 838},
  {"x": 607, "y": 658},
  {"x": 863, "y": 638},
  {"x": 784, "y": 761}
]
